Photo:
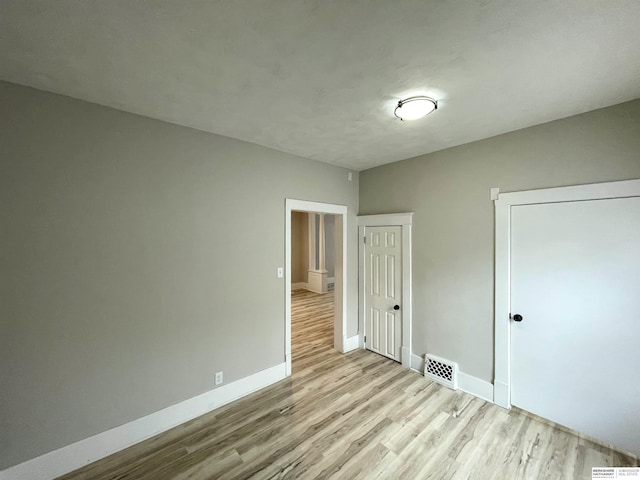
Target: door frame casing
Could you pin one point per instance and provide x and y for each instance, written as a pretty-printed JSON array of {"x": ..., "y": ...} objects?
[
  {"x": 502, "y": 299},
  {"x": 404, "y": 220},
  {"x": 340, "y": 299}
]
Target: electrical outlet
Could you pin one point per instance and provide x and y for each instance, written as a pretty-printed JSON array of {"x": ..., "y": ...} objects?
[{"x": 219, "y": 378}]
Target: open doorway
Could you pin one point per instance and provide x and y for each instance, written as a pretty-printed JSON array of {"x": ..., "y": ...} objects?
[
  {"x": 326, "y": 294},
  {"x": 313, "y": 244}
]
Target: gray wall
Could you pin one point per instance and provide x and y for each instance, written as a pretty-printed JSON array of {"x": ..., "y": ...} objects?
[
  {"x": 125, "y": 247},
  {"x": 299, "y": 247},
  {"x": 454, "y": 224}
]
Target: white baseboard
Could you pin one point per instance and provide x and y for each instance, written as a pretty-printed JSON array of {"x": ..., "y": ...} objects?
[
  {"x": 417, "y": 363},
  {"x": 317, "y": 281},
  {"x": 405, "y": 357},
  {"x": 351, "y": 343},
  {"x": 76, "y": 455},
  {"x": 501, "y": 394},
  {"x": 467, "y": 383},
  {"x": 475, "y": 386},
  {"x": 305, "y": 285}
]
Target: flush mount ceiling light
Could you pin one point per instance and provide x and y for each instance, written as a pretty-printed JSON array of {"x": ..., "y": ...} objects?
[{"x": 413, "y": 108}]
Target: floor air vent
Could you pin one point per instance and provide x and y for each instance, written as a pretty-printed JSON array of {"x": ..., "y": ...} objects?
[{"x": 442, "y": 371}]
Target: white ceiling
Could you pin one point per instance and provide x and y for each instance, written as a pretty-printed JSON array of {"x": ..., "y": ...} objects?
[{"x": 320, "y": 78}]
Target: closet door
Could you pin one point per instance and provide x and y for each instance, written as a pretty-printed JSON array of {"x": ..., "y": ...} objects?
[
  {"x": 383, "y": 284},
  {"x": 575, "y": 309}
]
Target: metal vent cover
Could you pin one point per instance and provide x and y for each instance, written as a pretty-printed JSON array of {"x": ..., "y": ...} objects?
[{"x": 442, "y": 371}]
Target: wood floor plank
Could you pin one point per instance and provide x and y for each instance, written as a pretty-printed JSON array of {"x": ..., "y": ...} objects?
[{"x": 355, "y": 416}]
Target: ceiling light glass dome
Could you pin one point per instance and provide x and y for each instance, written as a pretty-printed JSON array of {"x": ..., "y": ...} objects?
[{"x": 413, "y": 108}]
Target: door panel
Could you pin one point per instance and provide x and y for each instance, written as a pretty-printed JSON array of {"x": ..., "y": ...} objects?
[
  {"x": 393, "y": 335},
  {"x": 383, "y": 324},
  {"x": 375, "y": 274},
  {"x": 375, "y": 330},
  {"x": 575, "y": 279},
  {"x": 390, "y": 277}
]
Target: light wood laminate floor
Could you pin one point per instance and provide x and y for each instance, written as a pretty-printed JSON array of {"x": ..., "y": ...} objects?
[{"x": 355, "y": 416}]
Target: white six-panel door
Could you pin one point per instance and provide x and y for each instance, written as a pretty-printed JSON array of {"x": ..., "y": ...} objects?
[
  {"x": 575, "y": 283},
  {"x": 383, "y": 284}
]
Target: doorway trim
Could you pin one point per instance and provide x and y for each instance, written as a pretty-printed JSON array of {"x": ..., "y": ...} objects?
[
  {"x": 502, "y": 306},
  {"x": 340, "y": 299},
  {"x": 404, "y": 220}
]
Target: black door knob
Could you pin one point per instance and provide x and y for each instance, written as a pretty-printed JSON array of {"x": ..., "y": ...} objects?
[
  {"x": 517, "y": 317},
  {"x": 396, "y": 307}
]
